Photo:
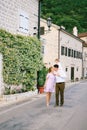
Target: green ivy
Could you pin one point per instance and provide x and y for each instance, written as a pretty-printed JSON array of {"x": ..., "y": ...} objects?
[{"x": 21, "y": 59}]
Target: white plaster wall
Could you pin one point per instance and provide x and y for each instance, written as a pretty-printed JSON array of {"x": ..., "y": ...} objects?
[
  {"x": 84, "y": 57},
  {"x": 51, "y": 50},
  {"x": 51, "y": 44},
  {"x": 68, "y": 62},
  {"x": 85, "y": 61}
]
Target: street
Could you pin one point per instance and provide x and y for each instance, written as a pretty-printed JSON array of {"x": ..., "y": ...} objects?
[{"x": 34, "y": 115}]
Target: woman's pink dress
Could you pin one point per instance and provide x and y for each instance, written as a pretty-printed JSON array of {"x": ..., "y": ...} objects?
[{"x": 50, "y": 83}]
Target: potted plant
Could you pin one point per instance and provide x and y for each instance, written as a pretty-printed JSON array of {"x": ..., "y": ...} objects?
[{"x": 41, "y": 77}]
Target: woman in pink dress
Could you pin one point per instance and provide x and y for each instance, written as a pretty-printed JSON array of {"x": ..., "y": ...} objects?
[{"x": 49, "y": 86}]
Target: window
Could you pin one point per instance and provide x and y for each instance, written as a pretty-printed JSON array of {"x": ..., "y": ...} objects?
[
  {"x": 66, "y": 69},
  {"x": 77, "y": 54},
  {"x": 77, "y": 69},
  {"x": 69, "y": 52},
  {"x": 62, "y": 50},
  {"x": 72, "y": 52},
  {"x": 23, "y": 22},
  {"x": 65, "y": 51}
]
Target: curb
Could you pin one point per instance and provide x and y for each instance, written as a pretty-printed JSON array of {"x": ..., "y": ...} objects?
[{"x": 13, "y": 98}]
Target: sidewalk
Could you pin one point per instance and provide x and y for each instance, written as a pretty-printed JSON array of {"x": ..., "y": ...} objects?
[{"x": 7, "y": 100}]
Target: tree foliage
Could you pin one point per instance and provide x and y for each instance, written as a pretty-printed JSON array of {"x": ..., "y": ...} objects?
[{"x": 68, "y": 13}]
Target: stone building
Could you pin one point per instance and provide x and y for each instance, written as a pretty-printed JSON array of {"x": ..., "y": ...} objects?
[
  {"x": 67, "y": 47},
  {"x": 83, "y": 36},
  {"x": 19, "y": 16}
]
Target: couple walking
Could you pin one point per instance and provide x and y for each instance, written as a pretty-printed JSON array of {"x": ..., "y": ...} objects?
[{"x": 55, "y": 82}]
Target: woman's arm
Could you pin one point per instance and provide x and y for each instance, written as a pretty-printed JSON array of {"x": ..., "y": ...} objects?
[{"x": 47, "y": 77}]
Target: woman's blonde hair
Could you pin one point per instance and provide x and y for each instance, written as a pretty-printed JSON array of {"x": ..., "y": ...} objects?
[{"x": 50, "y": 69}]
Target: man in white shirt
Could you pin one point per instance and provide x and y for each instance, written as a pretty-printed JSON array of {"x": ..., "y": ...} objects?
[
  {"x": 57, "y": 61},
  {"x": 60, "y": 85}
]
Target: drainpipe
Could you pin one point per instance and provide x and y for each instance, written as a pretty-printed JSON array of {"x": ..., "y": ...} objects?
[
  {"x": 82, "y": 62},
  {"x": 59, "y": 43},
  {"x": 39, "y": 12}
]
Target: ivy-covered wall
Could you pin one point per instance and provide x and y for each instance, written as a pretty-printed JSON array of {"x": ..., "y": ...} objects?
[{"x": 21, "y": 59}]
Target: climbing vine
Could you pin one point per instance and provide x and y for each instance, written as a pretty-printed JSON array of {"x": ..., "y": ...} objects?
[{"x": 21, "y": 59}]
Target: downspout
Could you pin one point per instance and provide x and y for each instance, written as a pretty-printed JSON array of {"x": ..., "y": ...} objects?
[
  {"x": 39, "y": 10},
  {"x": 82, "y": 62},
  {"x": 59, "y": 43}
]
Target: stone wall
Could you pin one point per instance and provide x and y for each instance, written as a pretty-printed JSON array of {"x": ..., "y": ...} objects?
[
  {"x": 10, "y": 20},
  {"x": 1, "y": 77},
  {"x": 9, "y": 14}
]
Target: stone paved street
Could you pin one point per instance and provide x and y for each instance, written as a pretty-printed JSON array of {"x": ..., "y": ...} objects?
[{"x": 34, "y": 115}]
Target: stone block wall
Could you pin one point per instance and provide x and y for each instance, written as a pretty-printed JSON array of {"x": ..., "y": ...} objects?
[
  {"x": 10, "y": 21},
  {"x": 9, "y": 14}
]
